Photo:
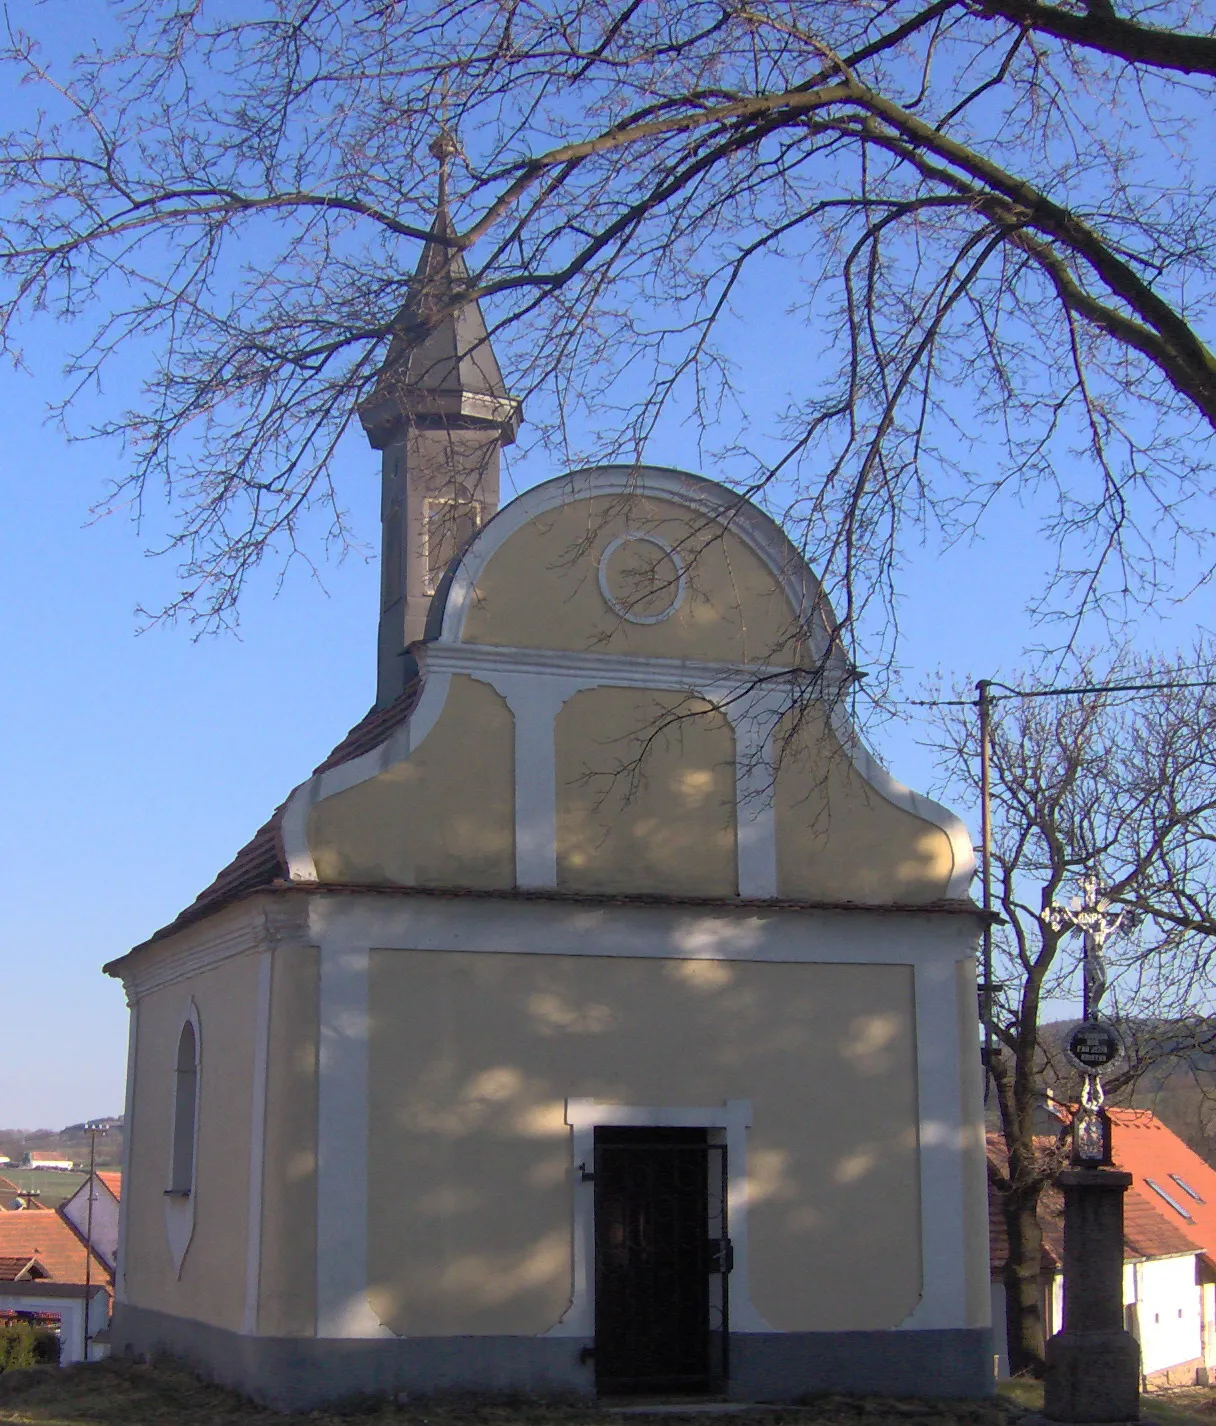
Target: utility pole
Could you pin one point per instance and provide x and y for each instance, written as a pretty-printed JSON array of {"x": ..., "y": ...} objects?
[
  {"x": 93, "y": 1128},
  {"x": 984, "y": 704}
]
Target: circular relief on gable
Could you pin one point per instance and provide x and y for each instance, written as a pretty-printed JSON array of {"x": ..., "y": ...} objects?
[{"x": 641, "y": 578}]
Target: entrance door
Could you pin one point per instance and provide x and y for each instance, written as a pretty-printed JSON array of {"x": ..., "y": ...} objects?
[{"x": 661, "y": 1257}]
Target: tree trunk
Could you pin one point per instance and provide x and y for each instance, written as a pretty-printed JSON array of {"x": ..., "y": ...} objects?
[{"x": 1023, "y": 1286}]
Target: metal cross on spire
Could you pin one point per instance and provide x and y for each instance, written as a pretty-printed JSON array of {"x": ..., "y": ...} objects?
[{"x": 444, "y": 148}]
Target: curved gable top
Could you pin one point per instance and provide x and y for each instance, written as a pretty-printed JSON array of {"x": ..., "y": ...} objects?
[{"x": 714, "y": 579}]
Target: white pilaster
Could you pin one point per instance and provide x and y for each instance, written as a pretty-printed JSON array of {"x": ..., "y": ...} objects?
[
  {"x": 753, "y": 715},
  {"x": 128, "y": 1135},
  {"x": 941, "y": 1135},
  {"x": 342, "y": 1306},
  {"x": 257, "y": 1145},
  {"x": 535, "y": 701}
]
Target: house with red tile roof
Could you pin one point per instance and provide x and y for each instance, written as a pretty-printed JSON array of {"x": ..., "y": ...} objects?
[
  {"x": 1169, "y": 1251},
  {"x": 93, "y": 1211},
  {"x": 51, "y": 1239},
  {"x": 45, "y": 1268},
  {"x": 20, "y": 1267},
  {"x": 48, "y": 1159}
]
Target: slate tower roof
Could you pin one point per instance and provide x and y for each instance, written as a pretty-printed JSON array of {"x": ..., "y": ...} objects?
[{"x": 440, "y": 367}]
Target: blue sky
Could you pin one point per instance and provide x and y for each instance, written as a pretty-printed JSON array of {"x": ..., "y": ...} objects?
[{"x": 135, "y": 765}]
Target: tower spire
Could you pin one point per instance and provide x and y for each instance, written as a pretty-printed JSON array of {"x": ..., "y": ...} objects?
[{"x": 440, "y": 412}]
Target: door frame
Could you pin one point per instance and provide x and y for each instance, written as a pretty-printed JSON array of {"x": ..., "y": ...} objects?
[{"x": 732, "y": 1120}]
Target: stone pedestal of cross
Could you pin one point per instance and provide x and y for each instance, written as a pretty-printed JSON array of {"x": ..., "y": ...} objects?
[{"x": 1093, "y": 1364}]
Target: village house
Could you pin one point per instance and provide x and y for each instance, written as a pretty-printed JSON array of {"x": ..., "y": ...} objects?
[
  {"x": 1169, "y": 1251},
  {"x": 93, "y": 1211},
  {"x": 47, "y": 1159},
  {"x": 47, "y": 1273},
  {"x": 599, "y": 1017}
]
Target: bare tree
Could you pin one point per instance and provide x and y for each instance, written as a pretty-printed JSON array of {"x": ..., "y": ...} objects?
[
  {"x": 1122, "y": 787},
  {"x": 991, "y": 216}
]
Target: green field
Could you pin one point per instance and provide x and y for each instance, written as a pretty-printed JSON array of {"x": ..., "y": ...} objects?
[{"x": 52, "y": 1185}]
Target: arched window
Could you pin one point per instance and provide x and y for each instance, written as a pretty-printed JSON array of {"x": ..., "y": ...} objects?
[{"x": 181, "y": 1174}]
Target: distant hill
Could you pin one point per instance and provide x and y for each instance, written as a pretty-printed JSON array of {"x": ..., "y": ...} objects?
[{"x": 70, "y": 1143}]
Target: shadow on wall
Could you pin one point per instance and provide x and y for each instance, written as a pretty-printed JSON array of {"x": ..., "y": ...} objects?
[{"x": 473, "y": 1057}]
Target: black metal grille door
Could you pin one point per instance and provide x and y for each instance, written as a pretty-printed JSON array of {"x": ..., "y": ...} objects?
[{"x": 661, "y": 1258}]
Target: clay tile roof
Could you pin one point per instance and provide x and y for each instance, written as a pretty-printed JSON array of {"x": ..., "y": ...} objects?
[
  {"x": 1144, "y": 1147},
  {"x": 1051, "y": 1217},
  {"x": 1147, "y": 1149},
  {"x": 1147, "y": 1233},
  {"x": 112, "y": 1180},
  {"x": 15, "y": 1267},
  {"x": 54, "y": 1242},
  {"x": 261, "y": 861}
]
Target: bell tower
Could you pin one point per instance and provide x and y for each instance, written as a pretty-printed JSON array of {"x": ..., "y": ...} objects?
[{"x": 439, "y": 414}]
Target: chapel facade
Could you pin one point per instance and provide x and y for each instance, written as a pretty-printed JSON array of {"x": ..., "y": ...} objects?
[{"x": 599, "y": 1018}]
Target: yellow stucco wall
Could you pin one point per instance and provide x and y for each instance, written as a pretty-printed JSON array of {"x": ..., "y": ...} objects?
[
  {"x": 838, "y": 839},
  {"x": 471, "y": 1060},
  {"x": 540, "y": 590},
  {"x": 211, "y": 1287},
  {"x": 443, "y": 817},
  {"x": 645, "y": 794},
  {"x": 287, "y": 1287}
]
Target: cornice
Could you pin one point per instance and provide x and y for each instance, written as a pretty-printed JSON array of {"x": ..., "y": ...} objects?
[{"x": 258, "y": 923}]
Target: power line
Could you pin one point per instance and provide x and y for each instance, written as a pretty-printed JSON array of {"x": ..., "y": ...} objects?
[{"x": 1053, "y": 692}]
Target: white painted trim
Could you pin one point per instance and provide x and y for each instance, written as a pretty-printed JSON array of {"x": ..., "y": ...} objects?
[
  {"x": 257, "y": 1144},
  {"x": 623, "y": 670},
  {"x": 916, "y": 803},
  {"x": 630, "y": 615},
  {"x": 238, "y": 930},
  {"x": 398, "y": 746},
  {"x": 534, "y": 704},
  {"x": 941, "y": 1145},
  {"x": 519, "y": 927},
  {"x": 128, "y": 1135},
  {"x": 179, "y": 1208},
  {"x": 753, "y": 715},
  {"x": 584, "y": 1116},
  {"x": 561, "y": 927},
  {"x": 343, "y": 1309}
]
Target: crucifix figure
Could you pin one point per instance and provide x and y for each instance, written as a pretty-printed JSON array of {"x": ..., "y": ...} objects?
[{"x": 1090, "y": 914}]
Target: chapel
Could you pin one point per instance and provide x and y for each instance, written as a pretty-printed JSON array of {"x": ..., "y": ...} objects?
[{"x": 599, "y": 1018}]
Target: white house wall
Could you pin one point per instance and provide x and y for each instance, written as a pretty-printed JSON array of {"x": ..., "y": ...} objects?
[{"x": 1169, "y": 1306}]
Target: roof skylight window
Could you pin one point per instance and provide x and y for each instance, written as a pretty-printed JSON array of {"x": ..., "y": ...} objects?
[
  {"x": 1186, "y": 1188},
  {"x": 1172, "y": 1201}
]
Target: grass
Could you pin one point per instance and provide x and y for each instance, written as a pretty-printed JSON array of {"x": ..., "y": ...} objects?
[
  {"x": 121, "y": 1393},
  {"x": 1167, "y": 1406}
]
